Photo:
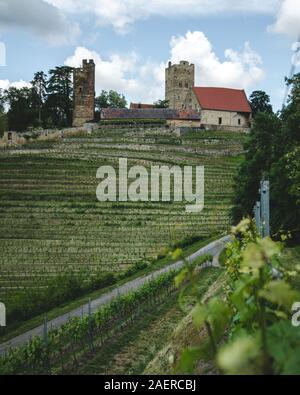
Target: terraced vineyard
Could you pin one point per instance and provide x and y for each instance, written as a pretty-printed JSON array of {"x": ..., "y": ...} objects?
[{"x": 51, "y": 221}]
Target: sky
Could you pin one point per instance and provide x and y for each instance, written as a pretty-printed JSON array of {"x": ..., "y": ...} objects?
[{"x": 233, "y": 43}]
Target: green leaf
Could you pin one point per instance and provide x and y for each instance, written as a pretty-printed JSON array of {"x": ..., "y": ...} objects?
[
  {"x": 188, "y": 359},
  {"x": 178, "y": 253},
  {"x": 284, "y": 347},
  {"x": 200, "y": 314},
  {"x": 237, "y": 357},
  {"x": 280, "y": 293},
  {"x": 253, "y": 259},
  {"x": 181, "y": 277},
  {"x": 268, "y": 247},
  {"x": 219, "y": 316}
]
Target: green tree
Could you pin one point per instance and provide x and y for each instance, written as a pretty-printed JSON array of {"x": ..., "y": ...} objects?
[
  {"x": 3, "y": 117},
  {"x": 111, "y": 99},
  {"x": 59, "y": 104},
  {"x": 161, "y": 104},
  {"x": 39, "y": 85},
  {"x": 260, "y": 102},
  {"x": 273, "y": 152},
  {"x": 21, "y": 113}
]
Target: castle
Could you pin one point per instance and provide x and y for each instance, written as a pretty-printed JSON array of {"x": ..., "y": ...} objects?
[
  {"x": 84, "y": 93},
  {"x": 219, "y": 108},
  {"x": 180, "y": 79},
  {"x": 189, "y": 106}
]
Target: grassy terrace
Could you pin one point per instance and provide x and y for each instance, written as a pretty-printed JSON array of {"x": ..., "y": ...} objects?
[{"x": 51, "y": 221}]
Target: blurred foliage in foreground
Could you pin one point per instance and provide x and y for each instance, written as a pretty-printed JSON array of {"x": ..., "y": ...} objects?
[{"x": 249, "y": 330}]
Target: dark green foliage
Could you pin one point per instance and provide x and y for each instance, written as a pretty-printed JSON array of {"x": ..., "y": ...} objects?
[
  {"x": 187, "y": 242},
  {"x": 248, "y": 326},
  {"x": 38, "y": 356},
  {"x": 137, "y": 267},
  {"x": 59, "y": 104},
  {"x": 260, "y": 102},
  {"x": 61, "y": 289},
  {"x": 273, "y": 153},
  {"x": 3, "y": 117},
  {"x": 47, "y": 103},
  {"x": 22, "y": 113},
  {"x": 39, "y": 87}
]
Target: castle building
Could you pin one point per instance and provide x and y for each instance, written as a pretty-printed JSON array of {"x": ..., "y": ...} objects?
[
  {"x": 219, "y": 108},
  {"x": 84, "y": 93},
  {"x": 180, "y": 79}
]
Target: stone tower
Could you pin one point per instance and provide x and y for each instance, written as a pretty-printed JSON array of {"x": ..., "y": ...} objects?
[
  {"x": 180, "y": 78},
  {"x": 84, "y": 93}
]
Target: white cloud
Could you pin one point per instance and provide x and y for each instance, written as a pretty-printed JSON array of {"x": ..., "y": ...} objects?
[
  {"x": 238, "y": 70},
  {"x": 145, "y": 81},
  {"x": 288, "y": 19},
  {"x": 5, "y": 84},
  {"x": 122, "y": 13},
  {"x": 124, "y": 74},
  {"x": 40, "y": 18}
]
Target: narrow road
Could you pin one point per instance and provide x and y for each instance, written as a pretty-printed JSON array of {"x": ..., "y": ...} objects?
[{"x": 214, "y": 248}]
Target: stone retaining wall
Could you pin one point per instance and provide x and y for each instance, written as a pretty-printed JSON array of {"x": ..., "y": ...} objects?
[{"x": 13, "y": 138}]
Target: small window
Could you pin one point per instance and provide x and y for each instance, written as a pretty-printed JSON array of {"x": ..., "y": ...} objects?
[
  {"x": 186, "y": 85},
  {"x": 9, "y": 136},
  {"x": 220, "y": 121},
  {"x": 180, "y": 85},
  {"x": 239, "y": 121}
]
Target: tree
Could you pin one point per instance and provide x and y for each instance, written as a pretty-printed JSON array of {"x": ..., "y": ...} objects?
[
  {"x": 111, "y": 99},
  {"x": 39, "y": 85},
  {"x": 59, "y": 104},
  {"x": 273, "y": 152},
  {"x": 21, "y": 113},
  {"x": 256, "y": 165},
  {"x": 260, "y": 102},
  {"x": 161, "y": 104},
  {"x": 3, "y": 117}
]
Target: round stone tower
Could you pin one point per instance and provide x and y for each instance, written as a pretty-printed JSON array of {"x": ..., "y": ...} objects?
[{"x": 180, "y": 79}]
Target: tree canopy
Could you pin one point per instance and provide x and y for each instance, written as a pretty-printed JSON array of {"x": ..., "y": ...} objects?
[
  {"x": 273, "y": 153},
  {"x": 47, "y": 103},
  {"x": 111, "y": 99},
  {"x": 161, "y": 104},
  {"x": 260, "y": 102}
]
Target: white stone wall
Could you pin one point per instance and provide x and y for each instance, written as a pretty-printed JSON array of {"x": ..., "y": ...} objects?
[{"x": 209, "y": 117}]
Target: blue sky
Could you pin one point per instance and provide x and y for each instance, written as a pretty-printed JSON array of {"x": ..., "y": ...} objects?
[{"x": 240, "y": 44}]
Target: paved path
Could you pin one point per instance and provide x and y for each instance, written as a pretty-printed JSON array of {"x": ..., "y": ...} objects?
[{"x": 214, "y": 248}]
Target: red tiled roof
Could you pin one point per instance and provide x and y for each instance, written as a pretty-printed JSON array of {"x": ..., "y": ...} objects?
[
  {"x": 135, "y": 106},
  {"x": 223, "y": 99}
]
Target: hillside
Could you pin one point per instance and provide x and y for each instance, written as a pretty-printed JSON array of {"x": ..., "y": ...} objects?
[{"x": 52, "y": 222}]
